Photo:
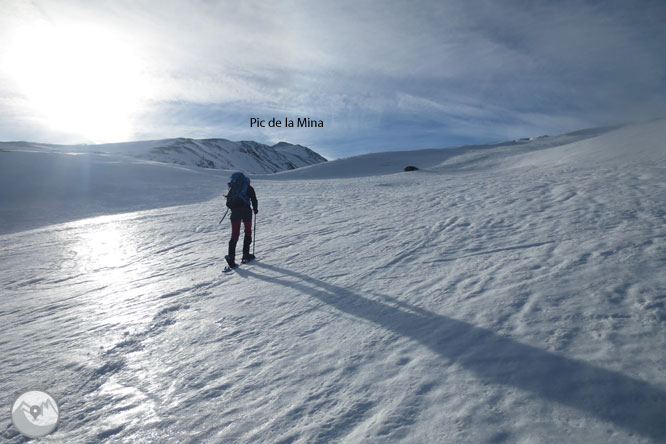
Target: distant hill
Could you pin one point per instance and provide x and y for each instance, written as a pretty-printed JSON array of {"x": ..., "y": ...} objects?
[{"x": 247, "y": 156}]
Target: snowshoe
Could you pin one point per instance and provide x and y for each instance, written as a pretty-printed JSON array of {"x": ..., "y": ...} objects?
[{"x": 231, "y": 263}]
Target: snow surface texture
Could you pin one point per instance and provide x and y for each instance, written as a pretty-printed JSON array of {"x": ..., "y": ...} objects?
[
  {"x": 514, "y": 293},
  {"x": 45, "y": 184}
]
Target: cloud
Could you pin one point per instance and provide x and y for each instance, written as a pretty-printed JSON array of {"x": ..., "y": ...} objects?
[{"x": 385, "y": 75}]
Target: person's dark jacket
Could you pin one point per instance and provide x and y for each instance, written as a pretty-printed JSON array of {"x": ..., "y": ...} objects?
[{"x": 244, "y": 212}]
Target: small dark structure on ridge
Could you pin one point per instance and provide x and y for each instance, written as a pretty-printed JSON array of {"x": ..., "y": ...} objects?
[{"x": 411, "y": 168}]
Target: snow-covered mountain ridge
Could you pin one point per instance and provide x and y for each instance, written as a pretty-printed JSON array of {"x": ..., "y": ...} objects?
[
  {"x": 44, "y": 183},
  {"x": 247, "y": 156}
]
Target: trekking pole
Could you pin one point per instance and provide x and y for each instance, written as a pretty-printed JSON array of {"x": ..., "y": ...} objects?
[
  {"x": 254, "y": 236},
  {"x": 225, "y": 215}
]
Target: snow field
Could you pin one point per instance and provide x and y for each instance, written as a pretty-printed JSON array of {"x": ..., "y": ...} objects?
[{"x": 517, "y": 297}]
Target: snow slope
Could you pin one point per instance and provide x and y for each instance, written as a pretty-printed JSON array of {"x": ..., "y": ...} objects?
[
  {"x": 451, "y": 160},
  {"x": 43, "y": 188},
  {"x": 510, "y": 293}
]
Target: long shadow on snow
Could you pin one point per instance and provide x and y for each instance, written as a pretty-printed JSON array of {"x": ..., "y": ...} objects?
[{"x": 608, "y": 395}]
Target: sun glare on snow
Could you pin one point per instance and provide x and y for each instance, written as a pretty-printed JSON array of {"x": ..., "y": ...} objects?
[{"x": 79, "y": 79}]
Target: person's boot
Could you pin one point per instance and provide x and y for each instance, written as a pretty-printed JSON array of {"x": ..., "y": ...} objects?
[
  {"x": 231, "y": 257},
  {"x": 247, "y": 241}
]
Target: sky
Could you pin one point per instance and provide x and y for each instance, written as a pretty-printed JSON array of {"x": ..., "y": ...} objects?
[{"x": 379, "y": 75}]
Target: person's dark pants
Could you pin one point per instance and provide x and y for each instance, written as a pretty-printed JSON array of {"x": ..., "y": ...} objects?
[{"x": 243, "y": 215}]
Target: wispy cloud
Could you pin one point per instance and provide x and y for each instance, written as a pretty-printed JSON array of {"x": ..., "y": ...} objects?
[{"x": 382, "y": 75}]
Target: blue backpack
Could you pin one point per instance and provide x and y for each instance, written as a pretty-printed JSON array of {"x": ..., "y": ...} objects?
[{"x": 237, "y": 195}]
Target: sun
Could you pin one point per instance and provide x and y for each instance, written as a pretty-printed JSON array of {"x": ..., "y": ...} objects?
[{"x": 79, "y": 79}]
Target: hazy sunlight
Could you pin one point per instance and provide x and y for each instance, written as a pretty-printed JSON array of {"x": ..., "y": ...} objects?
[{"x": 81, "y": 79}]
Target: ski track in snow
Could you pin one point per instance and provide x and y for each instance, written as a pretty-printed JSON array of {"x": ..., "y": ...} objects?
[{"x": 523, "y": 302}]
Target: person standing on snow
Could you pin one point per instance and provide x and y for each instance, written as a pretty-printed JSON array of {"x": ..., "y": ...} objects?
[{"x": 239, "y": 198}]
